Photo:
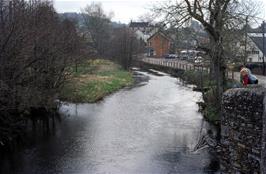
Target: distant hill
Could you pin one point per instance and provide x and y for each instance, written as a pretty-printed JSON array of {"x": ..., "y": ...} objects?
[{"x": 78, "y": 18}]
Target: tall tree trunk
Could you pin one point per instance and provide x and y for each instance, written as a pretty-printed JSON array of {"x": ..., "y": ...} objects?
[{"x": 219, "y": 71}]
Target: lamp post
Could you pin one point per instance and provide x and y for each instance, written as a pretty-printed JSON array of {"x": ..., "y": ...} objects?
[{"x": 263, "y": 46}]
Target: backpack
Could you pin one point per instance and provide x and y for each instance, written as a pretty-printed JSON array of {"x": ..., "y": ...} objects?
[{"x": 252, "y": 78}]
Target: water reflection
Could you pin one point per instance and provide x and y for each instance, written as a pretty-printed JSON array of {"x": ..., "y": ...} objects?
[{"x": 151, "y": 128}]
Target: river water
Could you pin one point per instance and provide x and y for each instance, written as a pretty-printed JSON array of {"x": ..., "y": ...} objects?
[{"x": 151, "y": 128}]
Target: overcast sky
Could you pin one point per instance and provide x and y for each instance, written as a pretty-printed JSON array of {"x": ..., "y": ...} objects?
[{"x": 124, "y": 10}]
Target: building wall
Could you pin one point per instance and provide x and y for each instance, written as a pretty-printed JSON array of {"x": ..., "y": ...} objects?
[
  {"x": 243, "y": 131},
  {"x": 254, "y": 54},
  {"x": 160, "y": 44},
  {"x": 254, "y": 57}
]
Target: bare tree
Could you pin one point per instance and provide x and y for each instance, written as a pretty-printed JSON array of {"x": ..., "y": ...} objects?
[
  {"x": 125, "y": 46},
  {"x": 118, "y": 43},
  {"x": 98, "y": 24},
  {"x": 217, "y": 17}
]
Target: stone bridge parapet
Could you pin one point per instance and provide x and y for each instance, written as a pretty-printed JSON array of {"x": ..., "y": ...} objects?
[{"x": 243, "y": 131}]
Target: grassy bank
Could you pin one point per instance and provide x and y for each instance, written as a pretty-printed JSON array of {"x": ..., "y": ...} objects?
[{"x": 94, "y": 80}]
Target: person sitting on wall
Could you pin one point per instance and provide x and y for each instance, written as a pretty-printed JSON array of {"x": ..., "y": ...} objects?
[{"x": 246, "y": 77}]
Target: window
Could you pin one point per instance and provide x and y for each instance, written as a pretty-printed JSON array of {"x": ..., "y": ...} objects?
[
  {"x": 242, "y": 43},
  {"x": 253, "y": 52}
]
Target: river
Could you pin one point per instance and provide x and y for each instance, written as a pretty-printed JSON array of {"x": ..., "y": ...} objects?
[{"x": 150, "y": 128}]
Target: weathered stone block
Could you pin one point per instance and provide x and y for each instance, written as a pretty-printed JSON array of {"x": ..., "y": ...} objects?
[{"x": 243, "y": 130}]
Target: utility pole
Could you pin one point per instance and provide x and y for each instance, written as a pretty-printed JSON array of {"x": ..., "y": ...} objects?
[
  {"x": 263, "y": 47},
  {"x": 246, "y": 38}
]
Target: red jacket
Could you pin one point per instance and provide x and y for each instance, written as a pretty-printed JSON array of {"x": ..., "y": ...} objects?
[{"x": 245, "y": 80}]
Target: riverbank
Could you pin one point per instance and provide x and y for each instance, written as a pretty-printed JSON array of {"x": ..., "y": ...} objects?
[
  {"x": 93, "y": 80},
  {"x": 206, "y": 86},
  {"x": 202, "y": 84}
]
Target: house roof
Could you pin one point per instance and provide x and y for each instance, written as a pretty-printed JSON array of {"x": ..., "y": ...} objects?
[
  {"x": 138, "y": 24},
  {"x": 259, "y": 43},
  {"x": 256, "y": 30},
  {"x": 162, "y": 34}
]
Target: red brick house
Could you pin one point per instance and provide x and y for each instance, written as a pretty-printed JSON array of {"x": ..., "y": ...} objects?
[{"x": 158, "y": 45}]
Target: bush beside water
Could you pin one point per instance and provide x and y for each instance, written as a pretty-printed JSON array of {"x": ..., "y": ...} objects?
[{"x": 203, "y": 83}]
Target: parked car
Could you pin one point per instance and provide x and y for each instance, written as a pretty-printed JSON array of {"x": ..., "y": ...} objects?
[
  {"x": 198, "y": 60},
  {"x": 188, "y": 54},
  {"x": 170, "y": 56},
  {"x": 183, "y": 55}
]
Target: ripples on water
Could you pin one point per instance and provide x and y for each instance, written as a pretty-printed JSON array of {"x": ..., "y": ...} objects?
[{"x": 149, "y": 129}]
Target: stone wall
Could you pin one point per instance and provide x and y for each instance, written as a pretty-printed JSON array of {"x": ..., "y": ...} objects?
[{"x": 242, "y": 131}]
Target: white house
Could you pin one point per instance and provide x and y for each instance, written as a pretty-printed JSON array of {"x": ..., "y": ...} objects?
[
  {"x": 255, "y": 46},
  {"x": 143, "y": 30},
  {"x": 255, "y": 49}
]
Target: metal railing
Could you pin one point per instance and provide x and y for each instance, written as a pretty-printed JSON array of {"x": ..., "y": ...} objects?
[{"x": 182, "y": 65}]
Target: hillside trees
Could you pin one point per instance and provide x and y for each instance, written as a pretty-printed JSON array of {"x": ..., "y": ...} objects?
[
  {"x": 98, "y": 25},
  {"x": 115, "y": 42}
]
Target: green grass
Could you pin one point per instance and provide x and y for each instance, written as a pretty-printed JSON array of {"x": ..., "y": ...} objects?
[{"x": 94, "y": 80}]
